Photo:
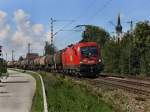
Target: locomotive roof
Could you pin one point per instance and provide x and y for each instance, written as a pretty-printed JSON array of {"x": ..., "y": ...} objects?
[
  {"x": 80, "y": 44},
  {"x": 83, "y": 43}
]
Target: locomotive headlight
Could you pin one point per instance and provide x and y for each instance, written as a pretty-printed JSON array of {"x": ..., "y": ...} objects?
[
  {"x": 81, "y": 62},
  {"x": 99, "y": 60}
]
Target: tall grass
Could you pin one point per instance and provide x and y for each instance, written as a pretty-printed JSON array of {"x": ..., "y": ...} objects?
[
  {"x": 65, "y": 96},
  {"x": 37, "y": 104}
]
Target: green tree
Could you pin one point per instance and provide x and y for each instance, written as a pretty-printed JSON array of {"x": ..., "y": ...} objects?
[
  {"x": 50, "y": 49},
  {"x": 110, "y": 55},
  {"x": 142, "y": 43},
  {"x": 20, "y": 58},
  {"x": 125, "y": 53},
  {"x": 135, "y": 61},
  {"x": 95, "y": 34}
]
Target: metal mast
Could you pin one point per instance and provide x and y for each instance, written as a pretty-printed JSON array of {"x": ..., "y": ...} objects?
[
  {"x": 29, "y": 45},
  {"x": 52, "y": 21},
  {"x": 6, "y": 56},
  {"x": 131, "y": 25},
  {"x": 12, "y": 55},
  {"x": 0, "y": 50}
]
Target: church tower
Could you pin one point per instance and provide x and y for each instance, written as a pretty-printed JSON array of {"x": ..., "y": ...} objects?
[{"x": 118, "y": 28}]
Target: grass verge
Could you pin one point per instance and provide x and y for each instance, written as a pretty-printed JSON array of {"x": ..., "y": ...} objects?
[
  {"x": 37, "y": 105},
  {"x": 63, "y": 95}
]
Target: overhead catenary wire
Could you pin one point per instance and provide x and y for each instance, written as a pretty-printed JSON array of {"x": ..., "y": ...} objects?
[
  {"x": 81, "y": 15},
  {"x": 89, "y": 6},
  {"x": 77, "y": 18},
  {"x": 62, "y": 28},
  {"x": 100, "y": 10}
]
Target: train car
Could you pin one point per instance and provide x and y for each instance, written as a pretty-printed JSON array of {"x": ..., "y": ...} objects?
[
  {"x": 49, "y": 61},
  {"x": 58, "y": 61},
  {"x": 10, "y": 64},
  {"x": 83, "y": 58},
  {"x": 25, "y": 64},
  {"x": 15, "y": 63},
  {"x": 30, "y": 58},
  {"x": 22, "y": 64},
  {"x": 31, "y": 64},
  {"x": 37, "y": 63},
  {"x": 42, "y": 62}
]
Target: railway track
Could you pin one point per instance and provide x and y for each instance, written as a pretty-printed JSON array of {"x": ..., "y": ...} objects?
[
  {"x": 128, "y": 76},
  {"x": 134, "y": 85},
  {"x": 131, "y": 85},
  {"x": 136, "y": 82}
]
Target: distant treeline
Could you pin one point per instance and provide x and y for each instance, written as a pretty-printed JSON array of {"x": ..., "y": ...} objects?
[{"x": 130, "y": 55}]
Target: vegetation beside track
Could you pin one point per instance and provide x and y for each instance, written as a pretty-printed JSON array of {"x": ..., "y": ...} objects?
[
  {"x": 37, "y": 104},
  {"x": 63, "y": 95},
  {"x": 121, "y": 101}
]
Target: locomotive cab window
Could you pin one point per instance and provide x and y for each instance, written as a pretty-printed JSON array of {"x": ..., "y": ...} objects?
[{"x": 89, "y": 51}]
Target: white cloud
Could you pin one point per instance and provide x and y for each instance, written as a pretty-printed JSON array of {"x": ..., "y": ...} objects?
[
  {"x": 4, "y": 33},
  {"x": 48, "y": 36},
  {"x": 4, "y": 27},
  {"x": 24, "y": 32},
  {"x": 27, "y": 32},
  {"x": 38, "y": 29},
  {"x": 2, "y": 16},
  {"x": 22, "y": 21},
  {"x": 19, "y": 39},
  {"x": 20, "y": 16},
  {"x": 22, "y": 35}
]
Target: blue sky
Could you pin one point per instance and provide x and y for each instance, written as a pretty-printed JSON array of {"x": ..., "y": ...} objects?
[{"x": 37, "y": 14}]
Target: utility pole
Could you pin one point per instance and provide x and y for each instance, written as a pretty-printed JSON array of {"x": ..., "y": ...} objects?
[
  {"x": 29, "y": 45},
  {"x": 130, "y": 44},
  {"x": 131, "y": 31},
  {"x": 131, "y": 25},
  {"x": 52, "y": 28},
  {"x": 6, "y": 57},
  {"x": 49, "y": 45},
  {"x": 52, "y": 21},
  {"x": 0, "y": 50},
  {"x": 28, "y": 54},
  {"x": 12, "y": 55}
]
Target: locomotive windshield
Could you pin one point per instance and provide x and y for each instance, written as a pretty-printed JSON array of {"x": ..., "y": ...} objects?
[{"x": 89, "y": 51}]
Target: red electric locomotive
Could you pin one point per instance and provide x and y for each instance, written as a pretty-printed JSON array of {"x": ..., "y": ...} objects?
[{"x": 82, "y": 58}]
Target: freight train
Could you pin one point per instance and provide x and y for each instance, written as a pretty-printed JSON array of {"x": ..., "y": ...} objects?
[{"x": 80, "y": 59}]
